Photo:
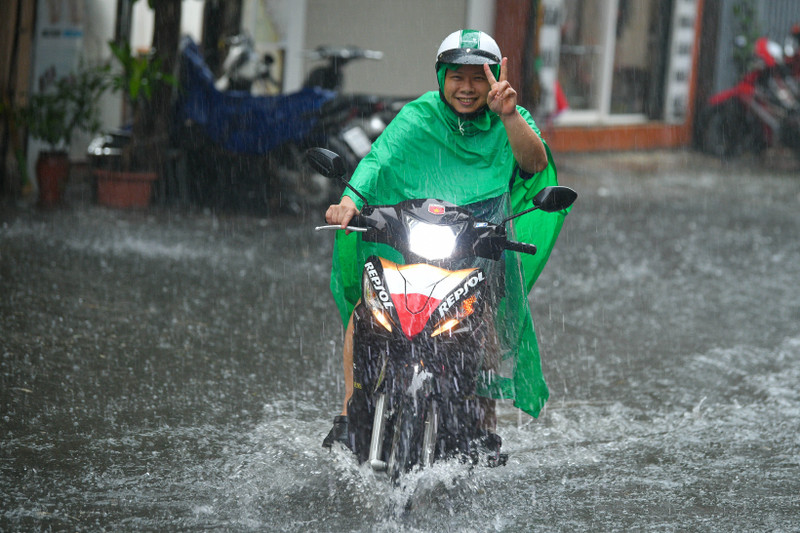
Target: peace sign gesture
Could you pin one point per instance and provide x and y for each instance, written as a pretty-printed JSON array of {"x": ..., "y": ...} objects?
[{"x": 502, "y": 97}]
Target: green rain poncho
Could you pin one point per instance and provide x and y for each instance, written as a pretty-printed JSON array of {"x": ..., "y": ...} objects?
[{"x": 427, "y": 151}]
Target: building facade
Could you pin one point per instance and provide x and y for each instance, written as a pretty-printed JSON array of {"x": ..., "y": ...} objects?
[
  {"x": 611, "y": 74},
  {"x": 597, "y": 74}
]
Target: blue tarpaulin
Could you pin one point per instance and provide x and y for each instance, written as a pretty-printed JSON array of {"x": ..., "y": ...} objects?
[{"x": 239, "y": 121}]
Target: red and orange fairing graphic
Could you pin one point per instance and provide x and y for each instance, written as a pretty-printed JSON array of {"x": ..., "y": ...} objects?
[{"x": 418, "y": 290}]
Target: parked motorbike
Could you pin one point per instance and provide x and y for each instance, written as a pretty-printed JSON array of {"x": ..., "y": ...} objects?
[
  {"x": 792, "y": 51},
  {"x": 423, "y": 331},
  {"x": 243, "y": 69},
  {"x": 761, "y": 110},
  {"x": 331, "y": 75},
  {"x": 348, "y": 125},
  {"x": 266, "y": 134}
]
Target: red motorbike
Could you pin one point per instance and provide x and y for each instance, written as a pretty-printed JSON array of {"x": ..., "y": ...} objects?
[
  {"x": 792, "y": 52},
  {"x": 760, "y": 111}
]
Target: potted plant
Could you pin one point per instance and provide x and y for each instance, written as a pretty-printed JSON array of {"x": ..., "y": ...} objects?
[
  {"x": 67, "y": 106},
  {"x": 138, "y": 77}
]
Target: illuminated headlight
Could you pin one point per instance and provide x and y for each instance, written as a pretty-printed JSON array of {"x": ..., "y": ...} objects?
[
  {"x": 373, "y": 303},
  {"x": 431, "y": 241},
  {"x": 448, "y": 325}
]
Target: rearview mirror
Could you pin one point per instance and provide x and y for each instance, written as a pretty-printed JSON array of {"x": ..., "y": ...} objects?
[
  {"x": 552, "y": 199},
  {"x": 330, "y": 165},
  {"x": 549, "y": 200},
  {"x": 327, "y": 163}
]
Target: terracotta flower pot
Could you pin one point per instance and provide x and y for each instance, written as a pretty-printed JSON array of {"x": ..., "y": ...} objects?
[
  {"x": 52, "y": 170},
  {"x": 124, "y": 189}
]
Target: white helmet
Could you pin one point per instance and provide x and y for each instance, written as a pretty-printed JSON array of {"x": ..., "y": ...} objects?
[{"x": 468, "y": 47}]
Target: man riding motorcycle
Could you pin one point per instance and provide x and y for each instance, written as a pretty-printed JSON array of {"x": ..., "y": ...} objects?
[{"x": 467, "y": 143}]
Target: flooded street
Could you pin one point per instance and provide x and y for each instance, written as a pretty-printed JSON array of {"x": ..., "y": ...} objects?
[{"x": 177, "y": 370}]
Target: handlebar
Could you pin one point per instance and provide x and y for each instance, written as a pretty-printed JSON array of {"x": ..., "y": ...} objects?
[
  {"x": 387, "y": 224},
  {"x": 337, "y": 227},
  {"x": 344, "y": 52},
  {"x": 521, "y": 247},
  {"x": 357, "y": 223}
]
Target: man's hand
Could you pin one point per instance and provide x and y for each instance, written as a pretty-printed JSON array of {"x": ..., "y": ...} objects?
[
  {"x": 526, "y": 145},
  {"x": 502, "y": 97},
  {"x": 341, "y": 213}
]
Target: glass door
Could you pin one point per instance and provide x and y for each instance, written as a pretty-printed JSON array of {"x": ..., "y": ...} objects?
[
  {"x": 583, "y": 54},
  {"x": 611, "y": 59},
  {"x": 640, "y": 38}
]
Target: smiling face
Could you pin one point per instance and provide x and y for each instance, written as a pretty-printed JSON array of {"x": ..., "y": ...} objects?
[{"x": 466, "y": 89}]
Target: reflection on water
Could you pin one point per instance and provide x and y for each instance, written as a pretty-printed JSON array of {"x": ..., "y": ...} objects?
[{"x": 168, "y": 371}]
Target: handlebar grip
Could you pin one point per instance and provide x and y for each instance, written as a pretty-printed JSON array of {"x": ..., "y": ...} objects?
[
  {"x": 358, "y": 221},
  {"x": 521, "y": 247}
]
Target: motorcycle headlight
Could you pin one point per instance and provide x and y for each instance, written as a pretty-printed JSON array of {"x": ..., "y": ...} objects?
[
  {"x": 373, "y": 302},
  {"x": 431, "y": 241}
]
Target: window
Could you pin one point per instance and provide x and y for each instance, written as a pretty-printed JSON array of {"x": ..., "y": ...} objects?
[{"x": 612, "y": 59}]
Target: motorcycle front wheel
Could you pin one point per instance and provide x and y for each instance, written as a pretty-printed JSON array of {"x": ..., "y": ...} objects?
[
  {"x": 728, "y": 131},
  {"x": 409, "y": 441},
  {"x": 790, "y": 132}
]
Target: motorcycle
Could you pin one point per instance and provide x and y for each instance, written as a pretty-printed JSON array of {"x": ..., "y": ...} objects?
[
  {"x": 348, "y": 126},
  {"x": 761, "y": 110},
  {"x": 345, "y": 123},
  {"x": 256, "y": 143},
  {"x": 424, "y": 334},
  {"x": 350, "y": 123},
  {"x": 792, "y": 51},
  {"x": 244, "y": 70},
  {"x": 331, "y": 75}
]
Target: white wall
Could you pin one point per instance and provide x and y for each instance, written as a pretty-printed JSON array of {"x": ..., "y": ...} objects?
[
  {"x": 278, "y": 28},
  {"x": 142, "y": 22},
  {"x": 480, "y": 15}
]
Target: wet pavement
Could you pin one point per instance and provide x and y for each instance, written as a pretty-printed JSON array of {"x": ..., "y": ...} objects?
[{"x": 176, "y": 369}]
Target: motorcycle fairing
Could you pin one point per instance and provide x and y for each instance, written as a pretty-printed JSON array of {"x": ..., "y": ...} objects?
[
  {"x": 503, "y": 302},
  {"x": 418, "y": 290}
]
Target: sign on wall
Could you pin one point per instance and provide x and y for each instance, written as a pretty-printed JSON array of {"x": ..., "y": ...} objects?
[
  {"x": 676, "y": 101},
  {"x": 59, "y": 40},
  {"x": 549, "y": 43},
  {"x": 57, "y": 52}
]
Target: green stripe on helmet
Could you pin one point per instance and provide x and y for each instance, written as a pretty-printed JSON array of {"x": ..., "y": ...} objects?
[{"x": 470, "y": 39}]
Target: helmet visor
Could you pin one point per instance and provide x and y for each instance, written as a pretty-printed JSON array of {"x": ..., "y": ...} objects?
[{"x": 468, "y": 56}]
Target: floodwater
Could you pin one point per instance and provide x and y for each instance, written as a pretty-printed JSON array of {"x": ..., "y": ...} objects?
[{"x": 177, "y": 370}]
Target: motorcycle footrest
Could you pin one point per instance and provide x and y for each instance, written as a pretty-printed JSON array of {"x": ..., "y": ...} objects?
[
  {"x": 378, "y": 466},
  {"x": 499, "y": 459}
]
